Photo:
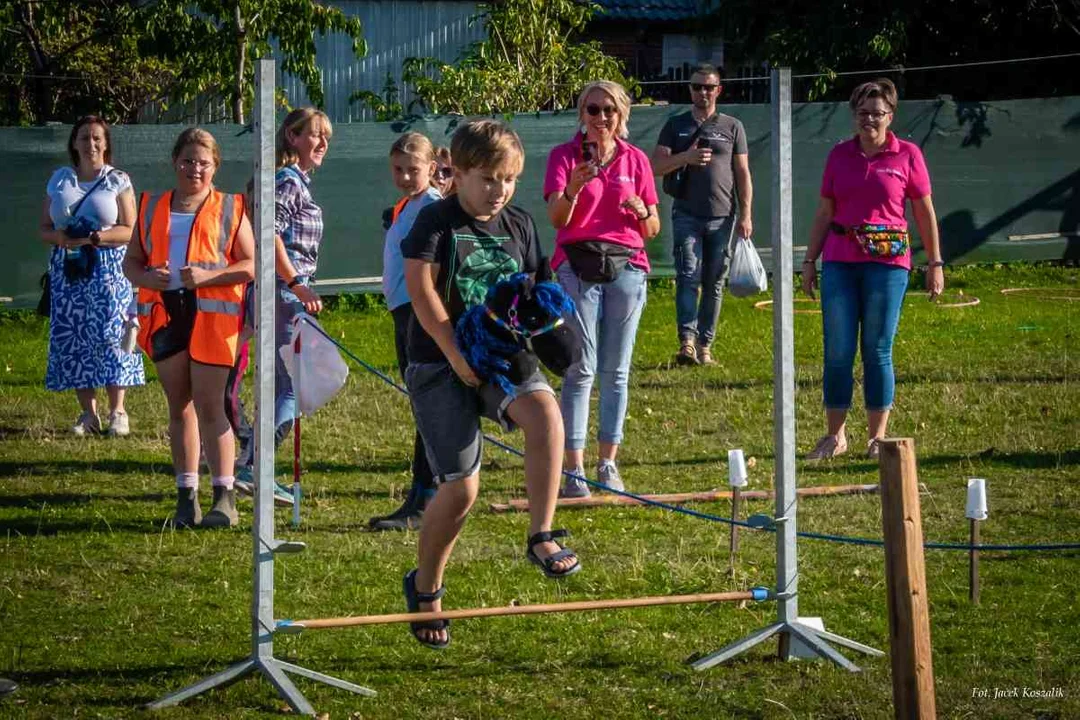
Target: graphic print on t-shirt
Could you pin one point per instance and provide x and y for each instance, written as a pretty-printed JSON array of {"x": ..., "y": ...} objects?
[{"x": 481, "y": 264}]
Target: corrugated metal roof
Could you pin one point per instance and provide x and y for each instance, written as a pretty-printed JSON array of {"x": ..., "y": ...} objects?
[{"x": 659, "y": 10}]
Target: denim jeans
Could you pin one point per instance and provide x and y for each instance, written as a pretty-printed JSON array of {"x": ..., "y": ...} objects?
[
  {"x": 702, "y": 257},
  {"x": 860, "y": 302},
  {"x": 607, "y": 318}
]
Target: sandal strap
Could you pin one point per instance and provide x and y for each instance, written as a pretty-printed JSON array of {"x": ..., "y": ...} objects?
[
  {"x": 557, "y": 556},
  {"x": 547, "y": 536},
  {"x": 429, "y": 597}
]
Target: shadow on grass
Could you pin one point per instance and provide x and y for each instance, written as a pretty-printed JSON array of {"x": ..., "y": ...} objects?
[
  {"x": 112, "y": 465},
  {"x": 1047, "y": 460},
  {"x": 49, "y": 527},
  {"x": 376, "y": 466},
  {"x": 36, "y": 500}
]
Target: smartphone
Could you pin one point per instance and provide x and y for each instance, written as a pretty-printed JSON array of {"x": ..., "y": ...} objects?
[
  {"x": 590, "y": 152},
  {"x": 703, "y": 143}
]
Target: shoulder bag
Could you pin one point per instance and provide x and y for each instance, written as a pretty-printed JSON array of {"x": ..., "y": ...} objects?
[
  {"x": 674, "y": 183},
  {"x": 87, "y": 257}
]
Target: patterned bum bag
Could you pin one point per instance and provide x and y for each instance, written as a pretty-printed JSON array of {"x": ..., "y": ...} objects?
[{"x": 875, "y": 240}]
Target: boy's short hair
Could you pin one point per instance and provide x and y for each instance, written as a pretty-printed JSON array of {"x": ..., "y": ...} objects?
[{"x": 487, "y": 144}]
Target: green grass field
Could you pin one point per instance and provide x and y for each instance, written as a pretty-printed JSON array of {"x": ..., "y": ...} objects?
[{"x": 103, "y": 610}]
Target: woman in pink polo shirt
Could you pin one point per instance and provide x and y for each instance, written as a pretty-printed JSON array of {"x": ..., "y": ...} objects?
[
  {"x": 601, "y": 198},
  {"x": 861, "y": 227}
]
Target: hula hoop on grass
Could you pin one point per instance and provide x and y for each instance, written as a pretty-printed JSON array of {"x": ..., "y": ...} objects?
[
  {"x": 970, "y": 301},
  {"x": 764, "y": 304},
  {"x": 1062, "y": 298}
]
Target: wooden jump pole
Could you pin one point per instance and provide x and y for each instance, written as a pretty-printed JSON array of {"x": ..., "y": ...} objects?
[
  {"x": 905, "y": 579},
  {"x": 522, "y": 505},
  {"x": 758, "y": 594}
]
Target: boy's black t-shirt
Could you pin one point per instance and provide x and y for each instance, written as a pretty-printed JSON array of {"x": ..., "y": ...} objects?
[{"x": 472, "y": 255}]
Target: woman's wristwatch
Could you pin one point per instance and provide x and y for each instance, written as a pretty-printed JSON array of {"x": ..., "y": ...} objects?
[
  {"x": 95, "y": 238},
  {"x": 936, "y": 263},
  {"x": 294, "y": 282}
]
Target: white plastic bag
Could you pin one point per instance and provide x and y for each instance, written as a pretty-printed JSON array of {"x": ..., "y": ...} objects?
[
  {"x": 747, "y": 273},
  {"x": 318, "y": 372}
]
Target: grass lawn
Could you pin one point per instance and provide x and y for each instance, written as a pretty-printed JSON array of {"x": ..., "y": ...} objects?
[{"x": 103, "y": 610}]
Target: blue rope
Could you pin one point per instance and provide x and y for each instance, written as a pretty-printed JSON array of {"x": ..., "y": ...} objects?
[{"x": 702, "y": 515}]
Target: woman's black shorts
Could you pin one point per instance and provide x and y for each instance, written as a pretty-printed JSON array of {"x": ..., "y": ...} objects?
[{"x": 175, "y": 336}]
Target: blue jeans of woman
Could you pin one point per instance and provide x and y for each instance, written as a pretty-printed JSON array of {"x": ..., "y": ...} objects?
[
  {"x": 606, "y": 317},
  {"x": 702, "y": 253},
  {"x": 860, "y": 306}
]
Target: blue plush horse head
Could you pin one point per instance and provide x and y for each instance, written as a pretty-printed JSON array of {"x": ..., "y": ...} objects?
[{"x": 520, "y": 324}]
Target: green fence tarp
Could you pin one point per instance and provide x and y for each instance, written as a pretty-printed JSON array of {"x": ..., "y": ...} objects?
[{"x": 1006, "y": 178}]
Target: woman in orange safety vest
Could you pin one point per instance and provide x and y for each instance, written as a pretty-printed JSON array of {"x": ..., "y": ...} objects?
[{"x": 190, "y": 255}]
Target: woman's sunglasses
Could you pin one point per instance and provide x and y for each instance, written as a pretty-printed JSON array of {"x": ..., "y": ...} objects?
[
  {"x": 608, "y": 110},
  {"x": 444, "y": 173}
]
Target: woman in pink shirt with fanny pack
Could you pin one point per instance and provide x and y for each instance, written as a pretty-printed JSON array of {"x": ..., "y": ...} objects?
[
  {"x": 602, "y": 199},
  {"x": 861, "y": 228}
]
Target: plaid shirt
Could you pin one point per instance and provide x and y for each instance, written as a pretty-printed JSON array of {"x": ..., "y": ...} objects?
[{"x": 297, "y": 219}]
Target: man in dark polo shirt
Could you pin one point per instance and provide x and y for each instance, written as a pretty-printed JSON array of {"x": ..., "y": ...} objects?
[{"x": 703, "y": 156}]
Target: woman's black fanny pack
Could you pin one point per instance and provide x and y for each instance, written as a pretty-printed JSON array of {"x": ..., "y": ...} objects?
[{"x": 597, "y": 261}]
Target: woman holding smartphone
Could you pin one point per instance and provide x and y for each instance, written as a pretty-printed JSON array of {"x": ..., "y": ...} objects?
[{"x": 601, "y": 198}]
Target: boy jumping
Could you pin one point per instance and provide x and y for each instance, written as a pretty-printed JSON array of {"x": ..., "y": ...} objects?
[{"x": 456, "y": 250}]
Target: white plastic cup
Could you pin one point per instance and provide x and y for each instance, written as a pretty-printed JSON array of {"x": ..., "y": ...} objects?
[
  {"x": 736, "y": 469},
  {"x": 976, "y": 499},
  {"x": 130, "y": 334}
]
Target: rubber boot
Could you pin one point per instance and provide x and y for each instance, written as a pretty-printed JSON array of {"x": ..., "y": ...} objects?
[
  {"x": 223, "y": 513},
  {"x": 188, "y": 513},
  {"x": 408, "y": 516}
]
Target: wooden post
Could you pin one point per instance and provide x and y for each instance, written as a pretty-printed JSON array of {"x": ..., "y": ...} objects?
[
  {"x": 973, "y": 566},
  {"x": 905, "y": 579},
  {"x": 736, "y": 501}
]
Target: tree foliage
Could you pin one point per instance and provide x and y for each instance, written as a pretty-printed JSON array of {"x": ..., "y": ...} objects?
[
  {"x": 534, "y": 58},
  {"x": 115, "y": 56},
  {"x": 831, "y": 36}
]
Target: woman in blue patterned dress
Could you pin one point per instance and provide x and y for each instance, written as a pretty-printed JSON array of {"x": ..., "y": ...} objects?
[{"x": 87, "y": 219}]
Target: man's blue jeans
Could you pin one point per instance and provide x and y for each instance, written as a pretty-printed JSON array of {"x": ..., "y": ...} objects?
[
  {"x": 860, "y": 299},
  {"x": 606, "y": 316},
  {"x": 702, "y": 257}
]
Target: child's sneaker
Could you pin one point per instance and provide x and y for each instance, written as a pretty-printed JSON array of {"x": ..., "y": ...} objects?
[
  {"x": 87, "y": 424},
  {"x": 244, "y": 483},
  {"x": 118, "y": 425},
  {"x": 575, "y": 488},
  {"x": 608, "y": 474}
]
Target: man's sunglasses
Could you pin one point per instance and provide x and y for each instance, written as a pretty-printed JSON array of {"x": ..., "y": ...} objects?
[
  {"x": 699, "y": 87},
  {"x": 608, "y": 110}
]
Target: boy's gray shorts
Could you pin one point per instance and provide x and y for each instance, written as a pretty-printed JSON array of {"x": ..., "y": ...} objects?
[{"x": 448, "y": 413}]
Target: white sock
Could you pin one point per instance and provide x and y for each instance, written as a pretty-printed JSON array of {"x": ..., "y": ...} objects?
[
  {"x": 225, "y": 481},
  {"x": 187, "y": 480}
]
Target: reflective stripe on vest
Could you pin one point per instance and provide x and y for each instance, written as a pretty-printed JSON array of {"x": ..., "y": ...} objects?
[
  {"x": 227, "y": 211},
  {"x": 224, "y": 307},
  {"x": 144, "y": 308},
  {"x": 211, "y": 265},
  {"x": 148, "y": 220}
]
